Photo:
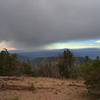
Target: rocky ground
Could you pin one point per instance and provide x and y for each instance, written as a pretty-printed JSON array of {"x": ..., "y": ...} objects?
[{"x": 28, "y": 88}]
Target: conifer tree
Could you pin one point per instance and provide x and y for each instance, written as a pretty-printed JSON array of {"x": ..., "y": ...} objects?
[{"x": 66, "y": 63}]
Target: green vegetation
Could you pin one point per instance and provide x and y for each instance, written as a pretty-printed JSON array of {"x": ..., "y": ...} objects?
[
  {"x": 65, "y": 64},
  {"x": 10, "y": 65},
  {"x": 27, "y": 68},
  {"x": 91, "y": 74},
  {"x": 7, "y": 63}
]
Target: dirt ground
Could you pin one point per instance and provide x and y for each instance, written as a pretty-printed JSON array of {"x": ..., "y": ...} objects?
[{"x": 43, "y": 89}]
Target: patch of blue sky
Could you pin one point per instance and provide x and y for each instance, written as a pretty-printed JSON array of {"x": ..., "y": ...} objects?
[{"x": 75, "y": 44}]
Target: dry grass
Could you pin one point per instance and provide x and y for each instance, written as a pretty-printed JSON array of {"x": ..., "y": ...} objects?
[{"x": 29, "y": 88}]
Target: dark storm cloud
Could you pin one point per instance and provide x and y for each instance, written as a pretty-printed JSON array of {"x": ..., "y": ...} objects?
[{"x": 29, "y": 23}]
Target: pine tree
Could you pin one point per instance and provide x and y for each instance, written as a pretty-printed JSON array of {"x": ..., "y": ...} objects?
[
  {"x": 7, "y": 63},
  {"x": 66, "y": 63}
]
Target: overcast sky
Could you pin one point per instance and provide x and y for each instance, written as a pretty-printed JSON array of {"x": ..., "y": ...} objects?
[{"x": 49, "y": 24}]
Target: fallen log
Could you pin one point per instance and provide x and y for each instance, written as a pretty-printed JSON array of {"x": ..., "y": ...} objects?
[
  {"x": 11, "y": 78},
  {"x": 17, "y": 87},
  {"x": 77, "y": 85}
]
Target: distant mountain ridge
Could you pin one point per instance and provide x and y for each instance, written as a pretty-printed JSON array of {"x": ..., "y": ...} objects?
[{"x": 91, "y": 52}]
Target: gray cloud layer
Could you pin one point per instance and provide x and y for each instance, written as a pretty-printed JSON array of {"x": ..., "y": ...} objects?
[{"x": 28, "y": 23}]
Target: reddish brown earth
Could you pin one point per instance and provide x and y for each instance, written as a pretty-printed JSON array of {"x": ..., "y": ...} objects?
[{"x": 43, "y": 89}]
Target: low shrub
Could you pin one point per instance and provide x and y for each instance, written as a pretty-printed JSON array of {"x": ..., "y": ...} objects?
[{"x": 91, "y": 75}]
